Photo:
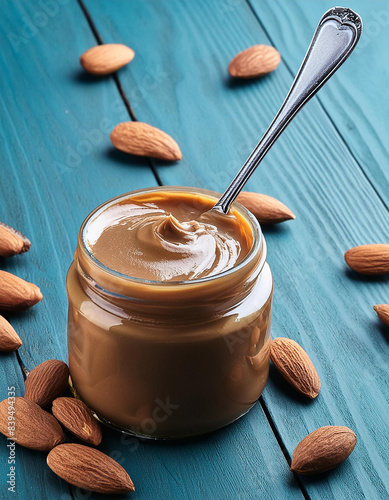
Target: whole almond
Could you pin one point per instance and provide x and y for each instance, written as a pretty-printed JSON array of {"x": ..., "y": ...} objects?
[
  {"x": 46, "y": 382},
  {"x": 369, "y": 259},
  {"x": 17, "y": 294},
  {"x": 383, "y": 312},
  {"x": 141, "y": 139},
  {"x": 323, "y": 449},
  {"x": 34, "y": 428},
  {"x": 78, "y": 419},
  {"x": 106, "y": 58},
  {"x": 254, "y": 61},
  {"x": 9, "y": 339},
  {"x": 89, "y": 469},
  {"x": 12, "y": 242},
  {"x": 266, "y": 209},
  {"x": 295, "y": 366}
]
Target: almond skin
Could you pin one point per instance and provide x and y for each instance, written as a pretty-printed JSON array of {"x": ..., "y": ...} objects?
[
  {"x": 78, "y": 419},
  {"x": 106, "y": 58},
  {"x": 295, "y": 366},
  {"x": 141, "y": 139},
  {"x": 382, "y": 311},
  {"x": 254, "y": 61},
  {"x": 34, "y": 428},
  {"x": 12, "y": 242},
  {"x": 266, "y": 209},
  {"x": 322, "y": 450},
  {"x": 17, "y": 294},
  {"x": 372, "y": 260},
  {"x": 89, "y": 469},
  {"x": 9, "y": 339},
  {"x": 46, "y": 382}
]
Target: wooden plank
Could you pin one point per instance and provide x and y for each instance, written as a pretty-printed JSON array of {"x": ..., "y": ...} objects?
[
  {"x": 357, "y": 99},
  {"x": 56, "y": 165},
  {"x": 317, "y": 301}
]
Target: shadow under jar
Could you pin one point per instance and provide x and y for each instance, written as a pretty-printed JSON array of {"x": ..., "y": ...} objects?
[{"x": 169, "y": 359}]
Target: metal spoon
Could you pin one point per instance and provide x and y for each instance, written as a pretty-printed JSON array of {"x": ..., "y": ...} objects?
[{"x": 335, "y": 38}]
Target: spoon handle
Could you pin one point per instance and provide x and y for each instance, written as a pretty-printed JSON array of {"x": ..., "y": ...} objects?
[{"x": 335, "y": 38}]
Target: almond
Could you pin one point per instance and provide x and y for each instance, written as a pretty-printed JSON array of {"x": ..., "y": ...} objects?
[
  {"x": 12, "y": 242},
  {"x": 295, "y": 366},
  {"x": 383, "y": 312},
  {"x": 46, "y": 382},
  {"x": 323, "y": 449},
  {"x": 106, "y": 58},
  {"x": 254, "y": 61},
  {"x": 266, "y": 209},
  {"x": 78, "y": 419},
  {"x": 33, "y": 427},
  {"x": 141, "y": 139},
  {"x": 89, "y": 469},
  {"x": 9, "y": 339},
  {"x": 17, "y": 294},
  {"x": 369, "y": 259}
]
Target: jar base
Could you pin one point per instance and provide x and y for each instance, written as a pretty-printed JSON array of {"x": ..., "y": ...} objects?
[{"x": 148, "y": 437}]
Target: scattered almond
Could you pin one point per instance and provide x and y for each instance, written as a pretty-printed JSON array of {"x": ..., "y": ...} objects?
[
  {"x": 34, "y": 428},
  {"x": 141, "y": 139},
  {"x": 369, "y": 259},
  {"x": 17, "y": 294},
  {"x": 78, "y": 419},
  {"x": 295, "y": 366},
  {"x": 254, "y": 61},
  {"x": 89, "y": 469},
  {"x": 46, "y": 382},
  {"x": 9, "y": 339},
  {"x": 266, "y": 209},
  {"x": 106, "y": 58},
  {"x": 383, "y": 312},
  {"x": 323, "y": 449},
  {"x": 12, "y": 242}
]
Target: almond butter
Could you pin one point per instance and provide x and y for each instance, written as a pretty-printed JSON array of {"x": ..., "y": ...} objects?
[
  {"x": 369, "y": 259},
  {"x": 267, "y": 210},
  {"x": 141, "y": 139},
  {"x": 254, "y": 61},
  {"x": 33, "y": 427},
  {"x": 46, "y": 382},
  {"x": 382, "y": 311},
  {"x": 89, "y": 469},
  {"x": 323, "y": 449},
  {"x": 295, "y": 366},
  {"x": 106, "y": 58},
  {"x": 17, "y": 294},
  {"x": 78, "y": 419},
  {"x": 9, "y": 339},
  {"x": 12, "y": 242}
]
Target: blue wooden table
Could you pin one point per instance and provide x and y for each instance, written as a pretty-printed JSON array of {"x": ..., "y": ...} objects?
[{"x": 330, "y": 167}]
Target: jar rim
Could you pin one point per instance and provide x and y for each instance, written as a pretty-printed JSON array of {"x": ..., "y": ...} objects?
[{"x": 257, "y": 245}]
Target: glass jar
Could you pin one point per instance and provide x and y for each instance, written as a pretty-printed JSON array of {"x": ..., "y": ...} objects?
[{"x": 169, "y": 359}]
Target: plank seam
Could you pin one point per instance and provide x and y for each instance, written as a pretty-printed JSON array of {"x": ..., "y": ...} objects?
[
  {"x": 117, "y": 82},
  {"x": 282, "y": 446},
  {"x": 338, "y": 132},
  {"x": 22, "y": 366}
]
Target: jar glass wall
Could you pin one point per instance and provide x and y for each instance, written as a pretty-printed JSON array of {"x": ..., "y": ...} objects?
[{"x": 169, "y": 359}]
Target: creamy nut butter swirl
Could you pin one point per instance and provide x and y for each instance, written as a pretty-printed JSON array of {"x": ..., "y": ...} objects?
[
  {"x": 169, "y": 313},
  {"x": 168, "y": 237}
]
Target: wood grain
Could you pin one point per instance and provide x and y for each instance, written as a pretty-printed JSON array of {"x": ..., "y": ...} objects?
[{"x": 355, "y": 100}]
